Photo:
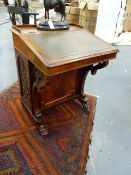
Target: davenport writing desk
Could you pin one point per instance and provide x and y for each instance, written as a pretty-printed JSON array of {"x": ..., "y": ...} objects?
[{"x": 53, "y": 65}]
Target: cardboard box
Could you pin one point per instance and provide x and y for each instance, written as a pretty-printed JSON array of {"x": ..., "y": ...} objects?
[
  {"x": 127, "y": 15},
  {"x": 88, "y": 16},
  {"x": 91, "y": 29},
  {"x": 75, "y": 10},
  {"x": 72, "y": 10},
  {"x": 128, "y": 6},
  {"x": 127, "y": 24},
  {"x": 89, "y": 5},
  {"x": 75, "y": 3},
  {"x": 67, "y": 9},
  {"x": 85, "y": 11},
  {"x": 87, "y": 23},
  {"x": 72, "y": 14},
  {"x": 35, "y": 6},
  {"x": 94, "y": 14},
  {"x": 84, "y": 21},
  {"x": 92, "y": 6},
  {"x": 82, "y": 15},
  {"x": 92, "y": 22},
  {"x": 128, "y": 2},
  {"x": 127, "y": 28},
  {"x": 82, "y": 4}
]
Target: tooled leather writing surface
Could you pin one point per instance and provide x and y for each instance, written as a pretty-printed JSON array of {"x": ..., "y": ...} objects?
[{"x": 63, "y": 46}]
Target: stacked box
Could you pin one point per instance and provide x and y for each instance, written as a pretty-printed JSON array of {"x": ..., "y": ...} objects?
[
  {"x": 72, "y": 14},
  {"x": 74, "y": 3},
  {"x": 88, "y": 15},
  {"x": 128, "y": 6},
  {"x": 35, "y": 5},
  {"x": 127, "y": 17}
]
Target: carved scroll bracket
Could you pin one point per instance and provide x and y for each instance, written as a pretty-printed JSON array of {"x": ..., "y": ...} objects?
[
  {"x": 83, "y": 73},
  {"x": 100, "y": 65}
]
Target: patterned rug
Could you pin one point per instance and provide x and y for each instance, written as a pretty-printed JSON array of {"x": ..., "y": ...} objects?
[{"x": 23, "y": 151}]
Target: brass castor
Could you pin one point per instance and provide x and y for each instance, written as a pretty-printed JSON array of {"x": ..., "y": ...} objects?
[{"x": 43, "y": 130}]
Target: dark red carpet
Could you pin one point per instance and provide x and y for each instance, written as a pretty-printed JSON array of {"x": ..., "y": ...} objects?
[{"x": 23, "y": 151}]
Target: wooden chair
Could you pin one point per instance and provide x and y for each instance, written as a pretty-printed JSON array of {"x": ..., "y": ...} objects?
[{"x": 25, "y": 15}]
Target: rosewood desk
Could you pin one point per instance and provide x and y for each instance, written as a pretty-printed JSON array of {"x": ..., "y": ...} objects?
[{"x": 53, "y": 65}]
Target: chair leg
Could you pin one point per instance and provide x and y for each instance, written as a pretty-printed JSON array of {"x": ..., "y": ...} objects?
[
  {"x": 34, "y": 19},
  {"x": 25, "y": 19},
  {"x": 12, "y": 18}
]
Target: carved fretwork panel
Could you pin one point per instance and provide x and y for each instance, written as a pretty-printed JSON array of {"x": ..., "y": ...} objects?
[
  {"x": 39, "y": 81},
  {"x": 23, "y": 74}
]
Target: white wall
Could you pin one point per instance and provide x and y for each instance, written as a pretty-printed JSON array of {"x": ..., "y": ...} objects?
[{"x": 108, "y": 17}]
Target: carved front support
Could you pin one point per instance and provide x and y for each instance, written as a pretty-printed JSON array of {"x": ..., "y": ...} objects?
[
  {"x": 82, "y": 77},
  {"x": 98, "y": 66},
  {"x": 82, "y": 74},
  {"x": 38, "y": 87}
]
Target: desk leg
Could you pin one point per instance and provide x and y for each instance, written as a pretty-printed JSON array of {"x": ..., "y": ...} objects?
[
  {"x": 37, "y": 117},
  {"x": 41, "y": 127},
  {"x": 43, "y": 130},
  {"x": 84, "y": 101},
  {"x": 81, "y": 81},
  {"x": 39, "y": 84}
]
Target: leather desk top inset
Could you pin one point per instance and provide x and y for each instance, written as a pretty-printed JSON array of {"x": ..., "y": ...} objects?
[{"x": 56, "y": 51}]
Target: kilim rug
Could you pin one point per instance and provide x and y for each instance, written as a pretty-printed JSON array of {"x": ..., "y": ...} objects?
[{"x": 23, "y": 151}]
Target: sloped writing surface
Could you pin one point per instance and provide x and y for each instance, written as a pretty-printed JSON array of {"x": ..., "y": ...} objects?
[
  {"x": 61, "y": 47},
  {"x": 55, "y": 52}
]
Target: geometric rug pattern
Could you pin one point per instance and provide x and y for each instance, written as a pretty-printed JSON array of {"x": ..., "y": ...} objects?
[{"x": 23, "y": 151}]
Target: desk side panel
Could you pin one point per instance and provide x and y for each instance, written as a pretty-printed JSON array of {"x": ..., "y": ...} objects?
[{"x": 58, "y": 88}]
